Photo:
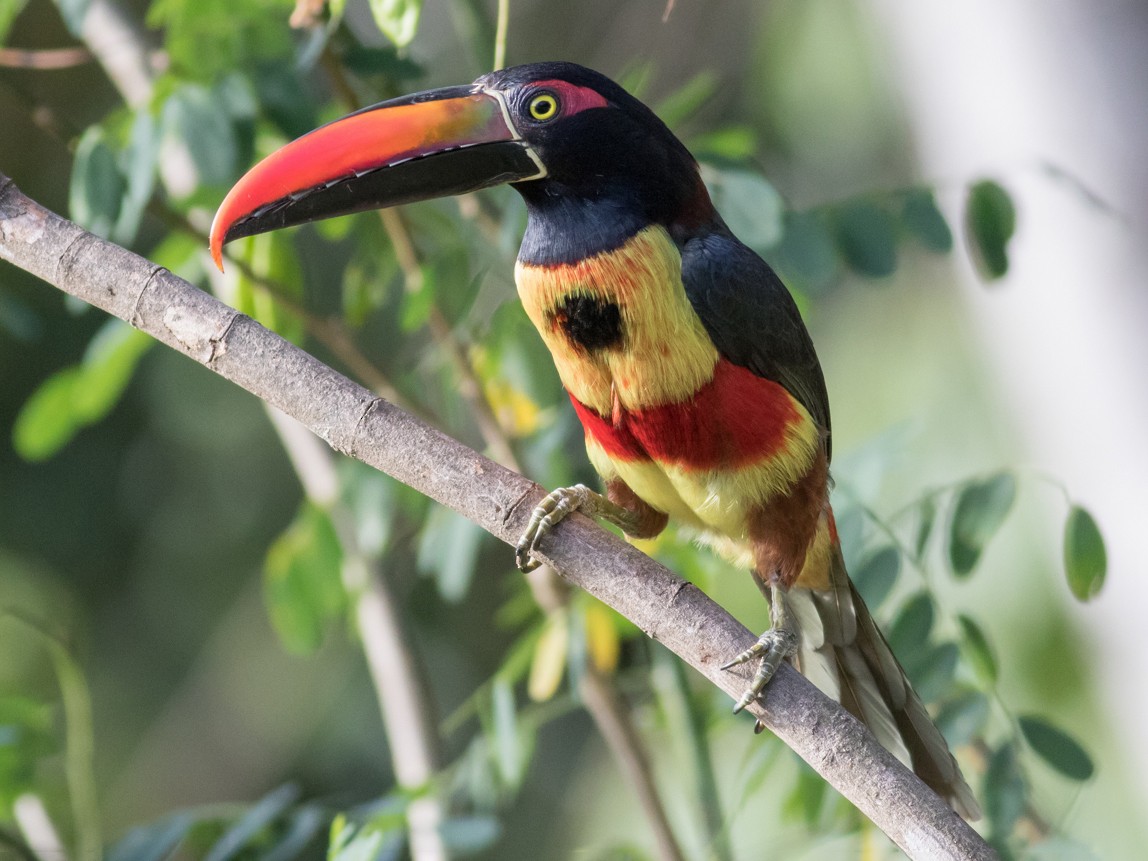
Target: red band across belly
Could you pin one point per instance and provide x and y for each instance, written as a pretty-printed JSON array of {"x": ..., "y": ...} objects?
[{"x": 735, "y": 419}]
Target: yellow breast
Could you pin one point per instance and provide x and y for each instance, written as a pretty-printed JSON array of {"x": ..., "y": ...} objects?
[{"x": 665, "y": 354}]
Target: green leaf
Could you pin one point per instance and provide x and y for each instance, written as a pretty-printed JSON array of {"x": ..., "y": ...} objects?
[
  {"x": 926, "y": 516},
  {"x": 990, "y": 220},
  {"x": 877, "y": 575},
  {"x": 371, "y": 497},
  {"x": 932, "y": 670},
  {"x": 302, "y": 580},
  {"x": 259, "y": 816},
  {"x": 1085, "y": 558},
  {"x": 354, "y": 844},
  {"x": 466, "y": 835},
  {"x": 398, "y": 20},
  {"x": 924, "y": 221},
  {"x": 272, "y": 258},
  {"x": 962, "y": 719},
  {"x": 305, "y": 822},
  {"x": 749, "y": 204},
  {"x": 978, "y": 650},
  {"x": 80, "y": 395},
  {"x": 97, "y": 187},
  {"x": 806, "y": 254},
  {"x": 979, "y": 512},
  {"x": 206, "y": 39},
  {"x": 279, "y": 90},
  {"x": 449, "y": 549},
  {"x": 137, "y": 164},
  {"x": 418, "y": 304},
  {"x": 191, "y": 116},
  {"x": 730, "y": 143},
  {"x": 47, "y": 421},
  {"x": 109, "y": 363},
  {"x": 867, "y": 239},
  {"x": 910, "y": 630},
  {"x": 179, "y": 253},
  {"x": 508, "y": 739},
  {"x": 1005, "y": 791},
  {"x": 688, "y": 99},
  {"x": 1056, "y": 747},
  {"x": 155, "y": 841},
  {"x": 805, "y": 801},
  {"x": 9, "y": 10}
]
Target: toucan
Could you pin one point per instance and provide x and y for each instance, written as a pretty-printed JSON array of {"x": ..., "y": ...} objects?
[{"x": 683, "y": 353}]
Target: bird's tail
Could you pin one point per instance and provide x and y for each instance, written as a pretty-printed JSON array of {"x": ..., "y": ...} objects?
[{"x": 844, "y": 653}]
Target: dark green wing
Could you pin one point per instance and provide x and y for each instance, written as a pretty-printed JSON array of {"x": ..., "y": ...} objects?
[{"x": 752, "y": 319}]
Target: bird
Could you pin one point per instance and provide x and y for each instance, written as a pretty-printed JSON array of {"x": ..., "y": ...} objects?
[{"x": 683, "y": 354}]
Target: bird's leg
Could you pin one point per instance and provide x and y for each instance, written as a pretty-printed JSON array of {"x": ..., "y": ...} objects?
[
  {"x": 774, "y": 646},
  {"x": 558, "y": 505}
]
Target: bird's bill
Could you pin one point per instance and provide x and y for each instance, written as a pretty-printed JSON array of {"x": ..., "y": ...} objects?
[{"x": 431, "y": 144}]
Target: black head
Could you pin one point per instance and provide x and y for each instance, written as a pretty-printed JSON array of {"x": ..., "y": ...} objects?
[
  {"x": 599, "y": 143},
  {"x": 593, "y": 163}
]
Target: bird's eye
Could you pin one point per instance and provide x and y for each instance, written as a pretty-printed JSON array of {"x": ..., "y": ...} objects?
[{"x": 543, "y": 107}]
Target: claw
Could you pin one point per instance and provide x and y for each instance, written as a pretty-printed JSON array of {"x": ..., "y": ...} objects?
[
  {"x": 774, "y": 646},
  {"x": 552, "y": 510}
]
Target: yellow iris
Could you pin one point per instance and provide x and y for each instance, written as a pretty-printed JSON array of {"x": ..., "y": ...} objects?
[{"x": 544, "y": 106}]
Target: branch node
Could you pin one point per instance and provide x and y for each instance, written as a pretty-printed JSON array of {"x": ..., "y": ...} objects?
[
  {"x": 514, "y": 505},
  {"x": 218, "y": 343},
  {"x": 196, "y": 334},
  {"x": 68, "y": 256},
  {"x": 679, "y": 588},
  {"x": 352, "y": 448},
  {"x": 135, "y": 320}
]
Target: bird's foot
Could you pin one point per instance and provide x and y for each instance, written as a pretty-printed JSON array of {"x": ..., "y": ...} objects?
[
  {"x": 553, "y": 509},
  {"x": 774, "y": 646}
]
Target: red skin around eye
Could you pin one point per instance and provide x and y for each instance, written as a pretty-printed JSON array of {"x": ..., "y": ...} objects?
[{"x": 573, "y": 98}]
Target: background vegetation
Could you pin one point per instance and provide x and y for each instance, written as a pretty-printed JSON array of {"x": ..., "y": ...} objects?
[{"x": 183, "y": 668}]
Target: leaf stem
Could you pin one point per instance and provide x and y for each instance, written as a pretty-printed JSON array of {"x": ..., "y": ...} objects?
[{"x": 501, "y": 27}]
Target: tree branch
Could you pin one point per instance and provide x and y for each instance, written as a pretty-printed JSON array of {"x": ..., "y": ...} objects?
[{"x": 353, "y": 421}]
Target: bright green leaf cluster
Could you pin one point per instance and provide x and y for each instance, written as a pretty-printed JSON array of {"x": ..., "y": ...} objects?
[
  {"x": 79, "y": 395},
  {"x": 238, "y": 32}
]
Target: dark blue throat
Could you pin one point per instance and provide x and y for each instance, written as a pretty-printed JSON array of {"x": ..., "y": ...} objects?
[{"x": 563, "y": 228}]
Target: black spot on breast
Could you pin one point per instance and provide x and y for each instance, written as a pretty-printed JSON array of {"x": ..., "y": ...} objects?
[{"x": 589, "y": 322}]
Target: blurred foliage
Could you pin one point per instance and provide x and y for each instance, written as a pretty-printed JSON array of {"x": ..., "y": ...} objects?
[{"x": 426, "y": 303}]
